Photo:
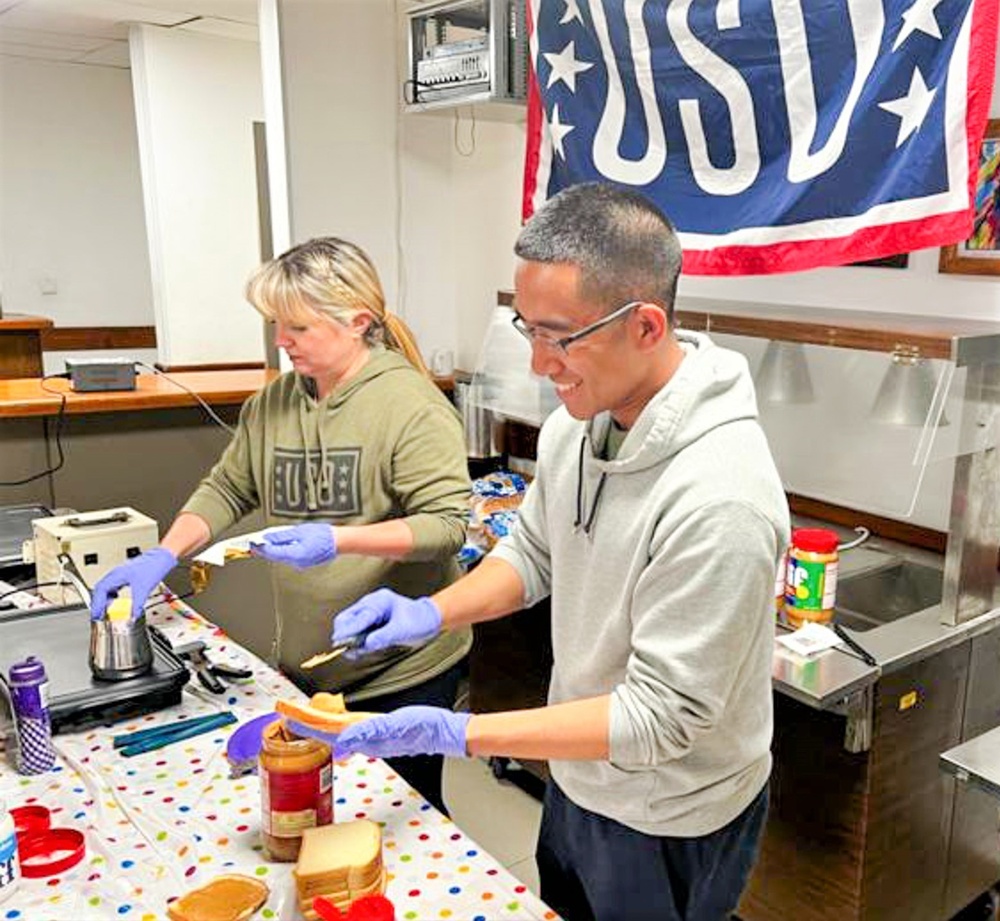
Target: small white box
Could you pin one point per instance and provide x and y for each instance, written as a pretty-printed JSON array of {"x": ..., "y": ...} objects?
[{"x": 96, "y": 542}]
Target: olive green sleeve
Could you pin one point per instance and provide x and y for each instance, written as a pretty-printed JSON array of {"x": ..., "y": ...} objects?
[
  {"x": 229, "y": 492},
  {"x": 430, "y": 481}
]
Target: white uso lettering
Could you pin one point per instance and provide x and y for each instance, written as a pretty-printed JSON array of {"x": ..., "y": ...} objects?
[
  {"x": 730, "y": 180},
  {"x": 612, "y": 125},
  {"x": 867, "y": 24}
]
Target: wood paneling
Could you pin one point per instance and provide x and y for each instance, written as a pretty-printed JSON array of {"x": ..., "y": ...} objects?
[
  {"x": 87, "y": 338},
  {"x": 28, "y": 397},
  {"x": 212, "y": 366},
  {"x": 902, "y": 531},
  {"x": 930, "y": 337},
  {"x": 809, "y": 866},
  {"x": 863, "y": 836},
  {"x": 21, "y": 345}
]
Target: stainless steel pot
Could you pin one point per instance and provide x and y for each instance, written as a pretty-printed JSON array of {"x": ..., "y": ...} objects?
[{"x": 120, "y": 649}]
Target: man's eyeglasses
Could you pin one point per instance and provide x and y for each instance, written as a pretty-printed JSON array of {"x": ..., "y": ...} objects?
[{"x": 546, "y": 339}]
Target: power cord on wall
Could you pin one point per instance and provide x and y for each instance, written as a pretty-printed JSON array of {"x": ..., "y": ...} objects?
[
  {"x": 208, "y": 409},
  {"x": 60, "y": 417}
]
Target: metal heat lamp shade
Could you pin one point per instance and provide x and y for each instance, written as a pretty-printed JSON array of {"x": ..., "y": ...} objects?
[
  {"x": 906, "y": 394},
  {"x": 783, "y": 375}
]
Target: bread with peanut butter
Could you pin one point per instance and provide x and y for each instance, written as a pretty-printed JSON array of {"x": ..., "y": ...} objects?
[
  {"x": 231, "y": 897},
  {"x": 324, "y": 711}
]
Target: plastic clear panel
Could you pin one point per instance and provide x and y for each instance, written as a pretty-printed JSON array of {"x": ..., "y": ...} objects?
[
  {"x": 503, "y": 382},
  {"x": 878, "y": 434}
]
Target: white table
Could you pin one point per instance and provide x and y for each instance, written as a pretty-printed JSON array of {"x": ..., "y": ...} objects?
[{"x": 168, "y": 821}]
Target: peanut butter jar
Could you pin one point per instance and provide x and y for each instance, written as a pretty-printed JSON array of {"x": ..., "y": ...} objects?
[{"x": 296, "y": 790}]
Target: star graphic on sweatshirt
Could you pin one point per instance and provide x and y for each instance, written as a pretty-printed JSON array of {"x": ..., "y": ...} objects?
[
  {"x": 557, "y": 131},
  {"x": 911, "y": 108},
  {"x": 919, "y": 18},
  {"x": 565, "y": 67}
]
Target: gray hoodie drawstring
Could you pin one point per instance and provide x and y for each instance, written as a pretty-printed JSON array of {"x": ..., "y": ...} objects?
[{"x": 579, "y": 493}]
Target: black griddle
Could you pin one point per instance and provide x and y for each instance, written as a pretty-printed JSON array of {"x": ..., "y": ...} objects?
[
  {"x": 15, "y": 529},
  {"x": 60, "y": 637}
]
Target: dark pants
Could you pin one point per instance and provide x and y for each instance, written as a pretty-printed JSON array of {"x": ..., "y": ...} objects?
[
  {"x": 595, "y": 869},
  {"x": 422, "y": 772}
]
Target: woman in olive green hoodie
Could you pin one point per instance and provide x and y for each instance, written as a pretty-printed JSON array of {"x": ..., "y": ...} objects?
[{"x": 358, "y": 450}]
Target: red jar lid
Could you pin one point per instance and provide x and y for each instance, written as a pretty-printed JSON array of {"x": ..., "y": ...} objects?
[{"x": 815, "y": 540}]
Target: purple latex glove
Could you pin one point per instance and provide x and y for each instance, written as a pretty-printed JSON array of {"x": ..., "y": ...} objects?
[
  {"x": 302, "y": 546},
  {"x": 386, "y": 619},
  {"x": 416, "y": 730},
  {"x": 141, "y": 574}
]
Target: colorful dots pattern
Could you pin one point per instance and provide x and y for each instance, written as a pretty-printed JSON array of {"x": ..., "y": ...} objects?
[{"x": 161, "y": 824}]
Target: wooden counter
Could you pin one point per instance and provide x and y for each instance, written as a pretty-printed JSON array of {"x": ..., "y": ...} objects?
[
  {"x": 33, "y": 397},
  {"x": 21, "y": 345}
]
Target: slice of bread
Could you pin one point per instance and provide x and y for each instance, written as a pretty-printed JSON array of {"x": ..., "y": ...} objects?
[
  {"x": 230, "y": 897},
  {"x": 319, "y": 717},
  {"x": 338, "y": 851}
]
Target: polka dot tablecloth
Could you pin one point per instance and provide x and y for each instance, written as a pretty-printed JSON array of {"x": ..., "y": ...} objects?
[{"x": 167, "y": 821}]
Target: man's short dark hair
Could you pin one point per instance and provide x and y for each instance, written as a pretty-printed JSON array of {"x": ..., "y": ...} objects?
[{"x": 624, "y": 245}]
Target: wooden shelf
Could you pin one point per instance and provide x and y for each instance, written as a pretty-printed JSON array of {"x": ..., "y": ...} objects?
[
  {"x": 963, "y": 341},
  {"x": 28, "y": 396},
  {"x": 21, "y": 345}
]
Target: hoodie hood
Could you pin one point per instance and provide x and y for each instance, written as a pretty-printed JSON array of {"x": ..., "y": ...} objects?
[
  {"x": 313, "y": 411},
  {"x": 711, "y": 387}
]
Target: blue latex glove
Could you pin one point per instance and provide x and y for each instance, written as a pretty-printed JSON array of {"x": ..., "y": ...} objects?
[
  {"x": 302, "y": 546},
  {"x": 417, "y": 730},
  {"x": 142, "y": 574},
  {"x": 387, "y": 619}
]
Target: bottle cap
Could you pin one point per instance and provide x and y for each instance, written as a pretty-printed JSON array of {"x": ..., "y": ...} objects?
[
  {"x": 30, "y": 671},
  {"x": 44, "y": 853},
  {"x": 815, "y": 540}
]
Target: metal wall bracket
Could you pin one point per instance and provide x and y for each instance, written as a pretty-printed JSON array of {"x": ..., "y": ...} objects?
[{"x": 859, "y": 709}]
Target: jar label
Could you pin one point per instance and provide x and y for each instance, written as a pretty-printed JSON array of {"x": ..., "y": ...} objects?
[
  {"x": 9, "y": 869},
  {"x": 810, "y": 586},
  {"x": 291, "y": 802}
]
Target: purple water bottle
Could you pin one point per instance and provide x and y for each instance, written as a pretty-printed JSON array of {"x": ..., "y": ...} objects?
[{"x": 29, "y": 698}]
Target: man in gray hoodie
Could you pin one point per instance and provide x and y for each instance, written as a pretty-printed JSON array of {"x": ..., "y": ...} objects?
[{"x": 655, "y": 523}]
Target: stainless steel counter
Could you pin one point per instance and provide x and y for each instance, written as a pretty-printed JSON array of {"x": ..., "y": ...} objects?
[
  {"x": 976, "y": 762},
  {"x": 827, "y": 680},
  {"x": 821, "y": 681}
]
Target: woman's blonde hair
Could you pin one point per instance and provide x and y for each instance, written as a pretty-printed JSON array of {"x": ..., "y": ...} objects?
[{"x": 337, "y": 280}]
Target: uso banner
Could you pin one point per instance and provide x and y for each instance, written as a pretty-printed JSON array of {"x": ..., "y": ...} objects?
[{"x": 778, "y": 135}]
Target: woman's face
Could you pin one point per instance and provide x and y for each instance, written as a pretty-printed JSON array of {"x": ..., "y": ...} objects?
[{"x": 321, "y": 348}]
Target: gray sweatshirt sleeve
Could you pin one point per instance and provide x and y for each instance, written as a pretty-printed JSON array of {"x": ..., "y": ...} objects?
[{"x": 702, "y": 636}]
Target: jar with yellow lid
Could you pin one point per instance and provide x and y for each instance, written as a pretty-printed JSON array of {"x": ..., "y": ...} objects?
[
  {"x": 811, "y": 576},
  {"x": 296, "y": 789}
]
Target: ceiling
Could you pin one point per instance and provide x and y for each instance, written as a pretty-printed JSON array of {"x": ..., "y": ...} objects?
[{"x": 95, "y": 32}]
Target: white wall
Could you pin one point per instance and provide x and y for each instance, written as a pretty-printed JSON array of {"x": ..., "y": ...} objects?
[
  {"x": 71, "y": 195},
  {"x": 338, "y": 91},
  {"x": 438, "y": 217},
  {"x": 461, "y": 214},
  {"x": 196, "y": 100}
]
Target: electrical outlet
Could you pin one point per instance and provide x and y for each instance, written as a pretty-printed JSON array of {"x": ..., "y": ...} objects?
[{"x": 48, "y": 285}]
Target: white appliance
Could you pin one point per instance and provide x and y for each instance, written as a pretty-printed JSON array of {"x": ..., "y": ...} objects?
[{"x": 96, "y": 542}]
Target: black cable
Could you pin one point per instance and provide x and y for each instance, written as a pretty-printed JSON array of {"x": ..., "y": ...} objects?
[
  {"x": 212, "y": 414},
  {"x": 28, "y": 588},
  {"x": 861, "y": 653},
  {"x": 60, "y": 416}
]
